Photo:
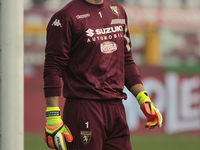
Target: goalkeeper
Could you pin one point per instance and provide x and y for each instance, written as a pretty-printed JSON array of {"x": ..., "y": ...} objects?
[{"x": 88, "y": 46}]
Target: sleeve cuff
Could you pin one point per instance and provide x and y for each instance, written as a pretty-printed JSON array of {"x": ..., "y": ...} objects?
[
  {"x": 48, "y": 92},
  {"x": 129, "y": 82}
]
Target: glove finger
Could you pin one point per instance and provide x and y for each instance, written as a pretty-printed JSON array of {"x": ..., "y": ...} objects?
[
  {"x": 60, "y": 142},
  {"x": 50, "y": 131},
  {"x": 151, "y": 124},
  {"x": 151, "y": 112},
  {"x": 67, "y": 134},
  {"x": 159, "y": 118},
  {"x": 50, "y": 142}
]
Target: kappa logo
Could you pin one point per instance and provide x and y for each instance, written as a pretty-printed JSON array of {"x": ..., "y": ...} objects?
[
  {"x": 57, "y": 23},
  {"x": 115, "y": 10},
  {"x": 85, "y": 136},
  {"x": 83, "y": 16}
]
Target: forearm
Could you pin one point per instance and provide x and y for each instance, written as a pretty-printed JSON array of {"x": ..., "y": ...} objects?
[
  {"x": 52, "y": 101},
  {"x": 132, "y": 75},
  {"x": 136, "y": 89}
]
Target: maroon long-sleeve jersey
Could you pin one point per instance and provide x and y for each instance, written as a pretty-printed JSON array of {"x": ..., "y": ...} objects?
[{"x": 89, "y": 47}]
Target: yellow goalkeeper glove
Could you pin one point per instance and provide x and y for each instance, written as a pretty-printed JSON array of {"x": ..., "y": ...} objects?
[
  {"x": 154, "y": 117},
  {"x": 56, "y": 133}
]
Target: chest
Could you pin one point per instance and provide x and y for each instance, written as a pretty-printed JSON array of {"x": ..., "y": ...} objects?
[{"x": 106, "y": 24}]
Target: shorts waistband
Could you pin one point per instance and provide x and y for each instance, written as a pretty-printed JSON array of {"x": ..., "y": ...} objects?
[{"x": 108, "y": 101}]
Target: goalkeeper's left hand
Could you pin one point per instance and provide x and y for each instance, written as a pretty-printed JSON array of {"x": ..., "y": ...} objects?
[
  {"x": 56, "y": 133},
  {"x": 154, "y": 117}
]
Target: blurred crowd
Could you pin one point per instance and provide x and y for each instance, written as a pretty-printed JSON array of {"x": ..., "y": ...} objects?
[{"x": 152, "y": 3}]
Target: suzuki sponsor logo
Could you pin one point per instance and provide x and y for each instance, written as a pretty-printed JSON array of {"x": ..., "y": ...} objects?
[
  {"x": 102, "y": 31},
  {"x": 105, "y": 33},
  {"x": 90, "y": 32},
  {"x": 108, "y": 47},
  {"x": 109, "y": 30}
]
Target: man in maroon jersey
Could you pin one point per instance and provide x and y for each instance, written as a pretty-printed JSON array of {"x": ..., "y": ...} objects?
[{"x": 89, "y": 47}]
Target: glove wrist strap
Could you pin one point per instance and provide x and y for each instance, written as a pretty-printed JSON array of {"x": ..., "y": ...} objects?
[
  {"x": 53, "y": 116},
  {"x": 52, "y": 112},
  {"x": 142, "y": 97}
]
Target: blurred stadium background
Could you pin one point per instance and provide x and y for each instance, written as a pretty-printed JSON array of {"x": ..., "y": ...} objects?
[{"x": 166, "y": 47}]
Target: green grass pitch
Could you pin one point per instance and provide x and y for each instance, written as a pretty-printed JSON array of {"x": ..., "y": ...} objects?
[{"x": 139, "y": 142}]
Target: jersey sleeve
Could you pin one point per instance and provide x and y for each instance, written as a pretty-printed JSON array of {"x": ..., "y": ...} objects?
[
  {"x": 57, "y": 49},
  {"x": 132, "y": 75}
]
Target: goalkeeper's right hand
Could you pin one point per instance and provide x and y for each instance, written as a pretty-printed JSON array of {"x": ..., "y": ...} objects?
[
  {"x": 56, "y": 133},
  {"x": 154, "y": 117}
]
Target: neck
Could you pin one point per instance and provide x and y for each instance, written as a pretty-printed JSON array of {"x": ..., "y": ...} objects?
[{"x": 95, "y": 1}]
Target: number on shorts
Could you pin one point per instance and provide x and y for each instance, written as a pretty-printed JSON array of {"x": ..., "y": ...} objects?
[{"x": 87, "y": 125}]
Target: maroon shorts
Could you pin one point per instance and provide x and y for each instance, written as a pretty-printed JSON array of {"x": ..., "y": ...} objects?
[{"x": 97, "y": 125}]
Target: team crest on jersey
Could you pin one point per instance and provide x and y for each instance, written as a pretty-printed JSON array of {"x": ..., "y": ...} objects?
[
  {"x": 85, "y": 136},
  {"x": 115, "y": 10}
]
